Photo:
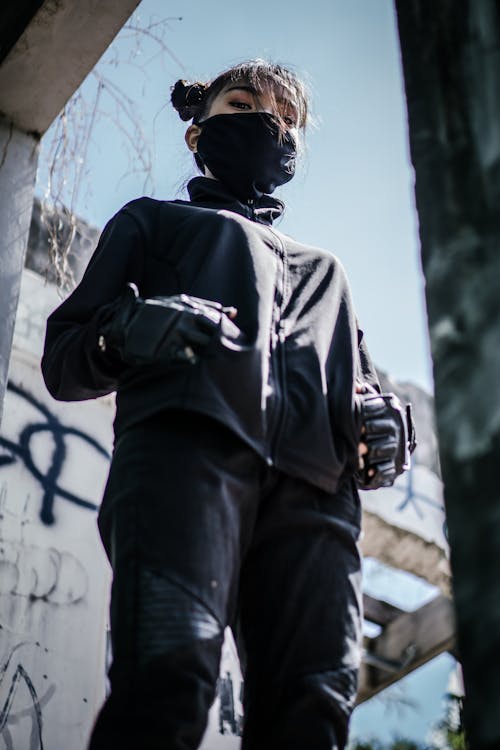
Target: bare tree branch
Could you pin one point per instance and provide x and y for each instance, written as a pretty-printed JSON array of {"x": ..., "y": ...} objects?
[{"x": 65, "y": 147}]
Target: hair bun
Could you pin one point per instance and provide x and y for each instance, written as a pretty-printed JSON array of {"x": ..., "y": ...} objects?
[{"x": 187, "y": 98}]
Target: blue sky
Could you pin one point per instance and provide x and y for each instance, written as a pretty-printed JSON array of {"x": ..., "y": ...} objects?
[
  {"x": 408, "y": 709},
  {"x": 353, "y": 194}
]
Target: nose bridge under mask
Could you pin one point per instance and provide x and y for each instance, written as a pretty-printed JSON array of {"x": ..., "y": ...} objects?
[{"x": 247, "y": 152}]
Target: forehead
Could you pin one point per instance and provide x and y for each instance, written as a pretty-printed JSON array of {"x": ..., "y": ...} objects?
[{"x": 265, "y": 87}]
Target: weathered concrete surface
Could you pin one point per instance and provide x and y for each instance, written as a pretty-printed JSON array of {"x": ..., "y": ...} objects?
[
  {"x": 451, "y": 62},
  {"x": 14, "y": 17},
  {"x": 18, "y": 162},
  {"x": 83, "y": 243},
  {"x": 58, "y": 48},
  {"x": 403, "y": 550}
]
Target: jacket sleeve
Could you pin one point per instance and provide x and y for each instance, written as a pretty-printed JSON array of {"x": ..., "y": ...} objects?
[
  {"x": 73, "y": 367},
  {"x": 367, "y": 372}
]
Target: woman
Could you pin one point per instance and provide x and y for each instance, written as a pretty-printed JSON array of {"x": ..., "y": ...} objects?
[{"x": 231, "y": 498}]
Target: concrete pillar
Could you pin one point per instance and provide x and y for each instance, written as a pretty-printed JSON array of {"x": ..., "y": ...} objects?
[
  {"x": 46, "y": 50},
  {"x": 18, "y": 163},
  {"x": 451, "y": 61}
]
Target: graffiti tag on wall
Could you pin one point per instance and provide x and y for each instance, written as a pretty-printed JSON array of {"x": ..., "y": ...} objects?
[
  {"x": 21, "y": 450},
  {"x": 54, "y": 578}
]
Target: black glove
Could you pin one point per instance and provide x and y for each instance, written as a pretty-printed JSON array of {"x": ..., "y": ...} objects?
[
  {"x": 388, "y": 432},
  {"x": 160, "y": 330}
]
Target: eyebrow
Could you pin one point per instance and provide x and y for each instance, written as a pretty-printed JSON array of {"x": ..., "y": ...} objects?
[
  {"x": 242, "y": 87},
  {"x": 253, "y": 90}
]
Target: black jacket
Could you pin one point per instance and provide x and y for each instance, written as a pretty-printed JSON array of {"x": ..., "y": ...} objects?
[{"x": 285, "y": 382}]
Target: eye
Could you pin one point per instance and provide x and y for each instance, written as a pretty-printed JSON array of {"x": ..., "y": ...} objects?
[
  {"x": 240, "y": 105},
  {"x": 289, "y": 117}
]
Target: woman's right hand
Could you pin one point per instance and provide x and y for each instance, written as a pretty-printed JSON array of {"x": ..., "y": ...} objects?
[{"x": 161, "y": 330}]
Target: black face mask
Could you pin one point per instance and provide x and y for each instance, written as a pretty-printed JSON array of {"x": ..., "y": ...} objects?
[{"x": 246, "y": 152}]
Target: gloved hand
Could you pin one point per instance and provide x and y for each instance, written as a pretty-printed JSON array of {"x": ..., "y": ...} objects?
[
  {"x": 160, "y": 330},
  {"x": 387, "y": 430}
]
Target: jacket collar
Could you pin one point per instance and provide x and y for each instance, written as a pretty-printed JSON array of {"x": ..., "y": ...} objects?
[{"x": 210, "y": 193}]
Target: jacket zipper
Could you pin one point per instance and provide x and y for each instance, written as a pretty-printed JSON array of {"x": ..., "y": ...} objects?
[
  {"x": 251, "y": 208},
  {"x": 278, "y": 363},
  {"x": 277, "y": 348}
]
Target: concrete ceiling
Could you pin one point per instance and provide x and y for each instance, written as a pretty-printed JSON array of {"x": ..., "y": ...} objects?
[
  {"x": 14, "y": 18},
  {"x": 48, "y": 49}
]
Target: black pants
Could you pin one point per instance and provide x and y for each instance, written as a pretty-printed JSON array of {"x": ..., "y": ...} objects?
[{"x": 201, "y": 533}]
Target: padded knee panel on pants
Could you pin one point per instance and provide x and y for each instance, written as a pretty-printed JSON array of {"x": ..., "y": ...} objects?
[
  {"x": 169, "y": 617},
  {"x": 336, "y": 691},
  {"x": 310, "y": 710}
]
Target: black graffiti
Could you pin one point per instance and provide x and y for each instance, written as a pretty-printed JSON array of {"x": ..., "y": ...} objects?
[
  {"x": 414, "y": 498},
  {"x": 22, "y": 451},
  {"x": 48, "y": 575},
  {"x": 229, "y": 721},
  {"x": 20, "y": 673}
]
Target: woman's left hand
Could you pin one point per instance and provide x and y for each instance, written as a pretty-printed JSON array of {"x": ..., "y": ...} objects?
[{"x": 362, "y": 446}]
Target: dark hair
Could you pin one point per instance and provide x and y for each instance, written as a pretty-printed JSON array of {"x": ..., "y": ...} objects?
[{"x": 193, "y": 100}]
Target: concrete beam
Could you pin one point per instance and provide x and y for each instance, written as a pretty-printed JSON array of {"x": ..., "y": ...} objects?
[
  {"x": 14, "y": 17},
  {"x": 406, "y": 551},
  {"x": 379, "y": 611},
  {"x": 406, "y": 642},
  {"x": 57, "y": 50}
]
